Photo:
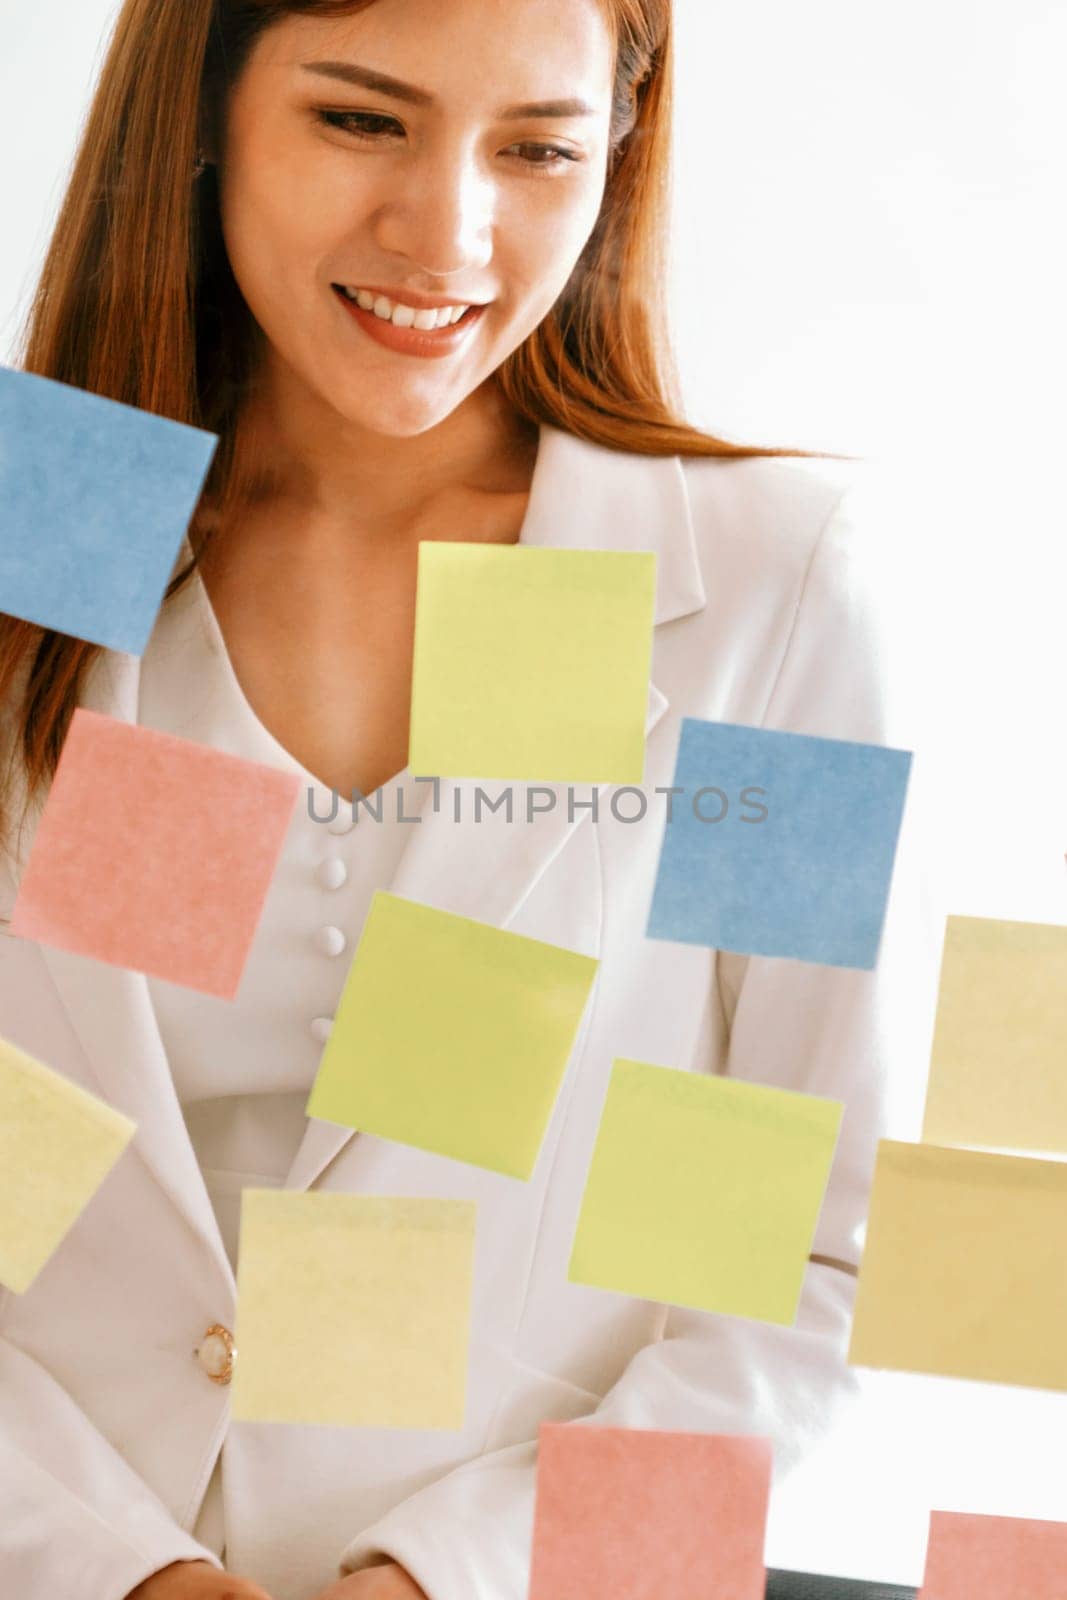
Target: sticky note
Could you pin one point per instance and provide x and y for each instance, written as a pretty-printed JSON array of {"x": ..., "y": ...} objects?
[
  {"x": 352, "y": 1309},
  {"x": 704, "y": 1191},
  {"x": 974, "y": 1557},
  {"x": 472, "y": 1068},
  {"x": 633, "y": 1512},
  {"x": 96, "y": 497},
  {"x": 780, "y": 844},
  {"x": 154, "y": 853},
  {"x": 997, "y": 1066},
  {"x": 57, "y": 1145},
  {"x": 531, "y": 662},
  {"x": 962, "y": 1272}
]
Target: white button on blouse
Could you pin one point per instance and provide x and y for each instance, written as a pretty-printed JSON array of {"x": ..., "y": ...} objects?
[
  {"x": 332, "y": 872},
  {"x": 331, "y": 941},
  {"x": 243, "y": 1068}
]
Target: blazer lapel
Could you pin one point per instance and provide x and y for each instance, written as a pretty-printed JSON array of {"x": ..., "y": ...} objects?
[
  {"x": 582, "y": 497},
  {"x": 111, "y": 1012}
]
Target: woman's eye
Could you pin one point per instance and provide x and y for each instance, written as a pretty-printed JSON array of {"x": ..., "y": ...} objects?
[
  {"x": 376, "y": 126},
  {"x": 362, "y": 124},
  {"x": 546, "y": 155}
]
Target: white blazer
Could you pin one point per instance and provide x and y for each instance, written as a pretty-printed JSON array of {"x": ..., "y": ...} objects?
[{"x": 109, "y": 1427}]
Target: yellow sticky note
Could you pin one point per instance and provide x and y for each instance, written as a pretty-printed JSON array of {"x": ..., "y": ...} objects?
[
  {"x": 531, "y": 662},
  {"x": 963, "y": 1274},
  {"x": 470, "y": 1069},
  {"x": 352, "y": 1309},
  {"x": 998, "y": 1066},
  {"x": 57, "y": 1145},
  {"x": 704, "y": 1191}
]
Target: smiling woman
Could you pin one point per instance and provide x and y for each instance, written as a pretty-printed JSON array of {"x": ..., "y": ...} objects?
[
  {"x": 509, "y": 158},
  {"x": 423, "y": 187},
  {"x": 406, "y": 258}
]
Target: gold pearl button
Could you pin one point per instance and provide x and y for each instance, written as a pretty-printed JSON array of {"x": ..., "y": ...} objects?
[{"x": 216, "y": 1353}]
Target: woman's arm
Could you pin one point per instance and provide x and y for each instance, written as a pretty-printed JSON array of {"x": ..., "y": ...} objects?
[
  {"x": 196, "y": 1580},
  {"x": 860, "y": 1037}
]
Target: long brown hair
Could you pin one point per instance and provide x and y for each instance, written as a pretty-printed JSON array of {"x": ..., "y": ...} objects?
[{"x": 136, "y": 299}]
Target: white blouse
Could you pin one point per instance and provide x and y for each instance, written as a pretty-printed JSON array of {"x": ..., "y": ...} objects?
[{"x": 243, "y": 1068}]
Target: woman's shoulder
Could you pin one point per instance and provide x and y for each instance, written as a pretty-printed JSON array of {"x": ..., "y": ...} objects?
[
  {"x": 811, "y": 551},
  {"x": 771, "y": 512},
  {"x": 791, "y": 531}
]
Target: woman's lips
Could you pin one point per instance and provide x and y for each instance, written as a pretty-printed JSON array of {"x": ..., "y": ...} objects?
[{"x": 426, "y": 342}]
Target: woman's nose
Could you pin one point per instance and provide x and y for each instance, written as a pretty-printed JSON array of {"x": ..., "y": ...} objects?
[{"x": 439, "y": 214}]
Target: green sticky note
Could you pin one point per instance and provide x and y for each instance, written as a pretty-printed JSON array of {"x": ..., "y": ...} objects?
[
  {"x": 57, "y": 1145},
  {"x": 704, "y": 1191},
  {"x": 352, "y": 1310},
  {"x": 451, "y": 1035},
  {"x": 531, "y": 663}
]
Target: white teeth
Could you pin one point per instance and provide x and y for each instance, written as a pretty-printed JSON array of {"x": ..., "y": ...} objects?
[{"x": 405, "y": 316}]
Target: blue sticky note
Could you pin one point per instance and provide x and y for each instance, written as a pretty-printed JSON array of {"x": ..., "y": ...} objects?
[
  {"x": 780, "y": 844},
  {"x": 95, "y": 498}
]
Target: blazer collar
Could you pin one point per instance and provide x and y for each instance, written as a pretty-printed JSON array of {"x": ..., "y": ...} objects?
[
  {"x": 586, "y": 497},
  {"x": 582, "y": 496}
]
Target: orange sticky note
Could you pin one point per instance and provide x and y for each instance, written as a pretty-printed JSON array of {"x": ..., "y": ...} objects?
[
  {"x": 633, "y": 1513},
  {"x": 963, "y": 1269},
  {"x": 971, "y": 1557},
  {"x": 154, "y": 853}
]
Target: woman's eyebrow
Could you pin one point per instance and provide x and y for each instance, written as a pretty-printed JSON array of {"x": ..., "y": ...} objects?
[{"x": 366, "y": 78}]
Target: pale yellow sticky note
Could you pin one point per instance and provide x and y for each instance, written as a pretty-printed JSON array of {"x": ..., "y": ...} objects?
[
  {"x": 57, "y": 1145},
  {"x": 963, "y": 1270},
  {"x": 531, "y": 662},
  {"x": 704, "y": 1191},
  {"x": 998, "y": 1067},
  {"x": 352, "y": 1309}
]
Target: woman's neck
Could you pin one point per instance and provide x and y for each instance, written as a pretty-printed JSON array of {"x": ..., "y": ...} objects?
[{"x": 302, "y": 454}]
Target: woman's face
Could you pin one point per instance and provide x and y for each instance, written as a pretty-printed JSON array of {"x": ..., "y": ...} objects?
[{"x": 424, "y": 151}]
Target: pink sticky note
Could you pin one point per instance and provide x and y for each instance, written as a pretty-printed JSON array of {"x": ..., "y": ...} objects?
[
  {"x": 642, "y": 1514},
  {"x": 154, "y": 853},
  {"x": 971, "y": 1557}
]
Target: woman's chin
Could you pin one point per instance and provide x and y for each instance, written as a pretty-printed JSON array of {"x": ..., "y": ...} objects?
[{"x": 393, "y": 420}]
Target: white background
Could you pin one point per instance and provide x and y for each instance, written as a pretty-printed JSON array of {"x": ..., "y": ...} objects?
[{"x": 869, "y": 257}]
